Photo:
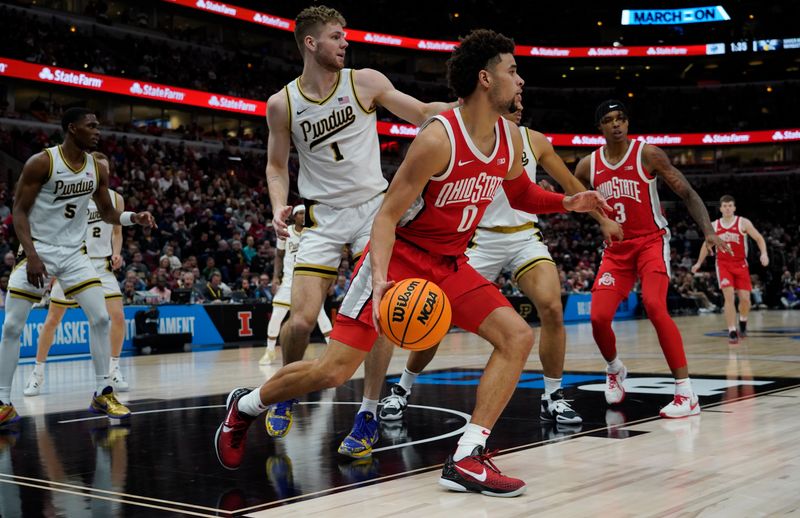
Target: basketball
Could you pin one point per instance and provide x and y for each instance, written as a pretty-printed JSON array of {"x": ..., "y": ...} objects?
[{"x": 415, "y": 314}]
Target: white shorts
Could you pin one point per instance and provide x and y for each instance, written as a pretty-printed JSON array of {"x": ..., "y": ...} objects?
[
  {"x": 284, "y": 295},
  {"x": 72, "y": 266},
  {"x": 492, "y": 251},
  {"x": 111, "y": 289},
  {"x": 327, "y": 230}
]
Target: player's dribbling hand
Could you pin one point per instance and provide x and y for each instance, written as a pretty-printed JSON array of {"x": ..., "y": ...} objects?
[
  {"x": 714, "y": 242},
  {"x": 378, "y": 290},
  {"x": 36, "y": 271},
  {"x": 144, "y": 219},
  {"x": 279, "y": 221},
  {"x": 586, "y": 201},
  {"x": 116, "y": 262}
]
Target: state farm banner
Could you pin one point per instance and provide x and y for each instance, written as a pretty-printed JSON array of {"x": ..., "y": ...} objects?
[
  {"x": 185, "y": 96},
  {"x": 660, "y": 139},
  {"x": 129, "y": 87},
  {"x": 392, "y": 40}
]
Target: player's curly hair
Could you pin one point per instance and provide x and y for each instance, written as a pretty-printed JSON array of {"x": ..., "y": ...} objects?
[
  {"x": 479, "y": 50},
  {"x": 311, "y": 18}
]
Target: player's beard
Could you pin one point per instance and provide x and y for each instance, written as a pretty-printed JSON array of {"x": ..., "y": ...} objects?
[
  {"x": 329, "y": 63},
  {"x": 502, "y": 106}
]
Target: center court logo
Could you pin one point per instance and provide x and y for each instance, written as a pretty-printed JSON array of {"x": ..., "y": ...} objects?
[{"x": 607, "y": 280}]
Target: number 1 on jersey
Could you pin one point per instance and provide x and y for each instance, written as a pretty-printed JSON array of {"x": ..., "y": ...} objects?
[{"x": 336, "y": 153}]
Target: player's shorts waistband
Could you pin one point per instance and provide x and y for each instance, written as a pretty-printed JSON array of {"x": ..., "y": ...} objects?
[
  {"x": 510, "y": 230},
  {"x": 307, "y": 202}
]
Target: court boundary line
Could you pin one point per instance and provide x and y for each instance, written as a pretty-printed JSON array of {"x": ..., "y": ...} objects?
[
  {"x": 90, "y": 492},
  {"x": 516, "y": 449}
]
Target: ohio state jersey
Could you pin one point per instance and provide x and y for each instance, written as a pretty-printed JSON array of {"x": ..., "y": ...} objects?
[
  {"x": 630, "y": 190},
  {"x": 445, "y": 215},
  {"x": 736, "y": 238}
]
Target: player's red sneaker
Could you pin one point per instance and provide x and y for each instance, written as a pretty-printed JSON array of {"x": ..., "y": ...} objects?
[
  {"x": 232, "y": 433},
  {"x": 478, "y": 474}
]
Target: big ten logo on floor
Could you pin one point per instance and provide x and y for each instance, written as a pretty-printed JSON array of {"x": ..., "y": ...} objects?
[{"x": 666, "y": 386}]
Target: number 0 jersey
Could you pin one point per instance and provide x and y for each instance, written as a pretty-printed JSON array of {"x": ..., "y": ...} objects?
[
  {"x": 59, "y": 213},
  {"x": 337, "y": 142},
  {"x": 445, "y": 216},
  {"x": 630, "y": 190}
]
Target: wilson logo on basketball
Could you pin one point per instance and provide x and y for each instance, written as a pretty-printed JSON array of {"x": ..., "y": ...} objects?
[{"x": 415, "y": 314}]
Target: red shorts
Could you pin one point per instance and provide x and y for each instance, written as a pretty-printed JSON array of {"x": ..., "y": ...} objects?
[
  {"x": 471, "y": 296},
  {"x": 625, "y": 261},
  {"x": 734, "y": 275}
]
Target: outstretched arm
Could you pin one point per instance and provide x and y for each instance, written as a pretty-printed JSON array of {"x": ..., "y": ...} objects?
[
  {"x": 374, "y": 88},
  {"x": 657, "y": 162},
  {"x": 556, "y": 168},
  {"x": 751, "y": 231},
  {"x": 108, "y": 213}
]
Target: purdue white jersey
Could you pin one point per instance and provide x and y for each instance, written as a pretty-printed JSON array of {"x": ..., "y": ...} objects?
[
  {"x": 499, "y": 213},
  {"x": 59, "y": 213},
  {"x": 290, "y": 245},
  {"x": 337, "y": 141},
  {"x": 98, "y": 234}
]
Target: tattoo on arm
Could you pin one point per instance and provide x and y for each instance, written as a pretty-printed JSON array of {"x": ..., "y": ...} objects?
[{"x": 660, "y": 165}]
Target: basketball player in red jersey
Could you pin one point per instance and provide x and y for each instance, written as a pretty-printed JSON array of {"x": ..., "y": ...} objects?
[
  {"x": 449, "y": 176},
  {"x": 625, "y": 172},
  {"x": 732, "y": 270}
]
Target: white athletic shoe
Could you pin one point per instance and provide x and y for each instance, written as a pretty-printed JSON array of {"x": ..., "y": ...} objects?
[
  {"x": 270, "y": 355},
  {"x": 34, "y": 385},
  {"x": 681, "y": 406},
  {"x": 118, "y": 380},
  {"x": 615, "y": 391}
]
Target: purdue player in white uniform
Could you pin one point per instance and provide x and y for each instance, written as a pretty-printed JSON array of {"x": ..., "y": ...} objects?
[
  {"x": 282, "y": 302},
  {"x": 328, "y": 113},
  {"x": 50, "y": 217},
  {"x": 507, "y": 238},
  {"x": 104, "y": 245}
]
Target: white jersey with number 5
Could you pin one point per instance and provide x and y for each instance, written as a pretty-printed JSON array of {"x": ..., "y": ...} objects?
[
  {"x": 59, "y": 212},
  {"x": 337, "y": 142},
  {"x": 499, "y": 213}
]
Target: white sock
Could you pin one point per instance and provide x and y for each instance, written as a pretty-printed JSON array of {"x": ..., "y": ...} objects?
[
  {"x": 742, "y": 319},
  {"x": 407, "y": 380},
  {"x": 39, "y": 368},
  {"x": 614, "y": 366},
  {"x": 732, "y": 328},
  {"x": 683, "y": 387},
  {"x": 474, "y": 435},
  {"x": 551, "y": 385},
  {"x": 114, "y": 363},
  {"x": 271, "y": 343},
  {"x": 102, "y": 381},
  {"x": 369, "y": 405},
  {"x": 251, "y": 403}
]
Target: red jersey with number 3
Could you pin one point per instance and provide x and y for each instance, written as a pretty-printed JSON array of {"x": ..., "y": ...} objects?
[
  {"x": 736, "y": 238},
  {"x": 444, "y": 217},
  {"x": 630, "y": 190}
]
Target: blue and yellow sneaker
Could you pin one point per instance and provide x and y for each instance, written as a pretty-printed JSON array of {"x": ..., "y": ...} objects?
[
  {"x": 8, "y": 414},
  {"x": 363, "y": 435},
  {"x": 279, "y": 418},
  {"x": 106, "y": 403}
]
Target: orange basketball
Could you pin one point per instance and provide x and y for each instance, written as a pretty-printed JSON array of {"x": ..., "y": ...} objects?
[{"x": 415, "y": 314}]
